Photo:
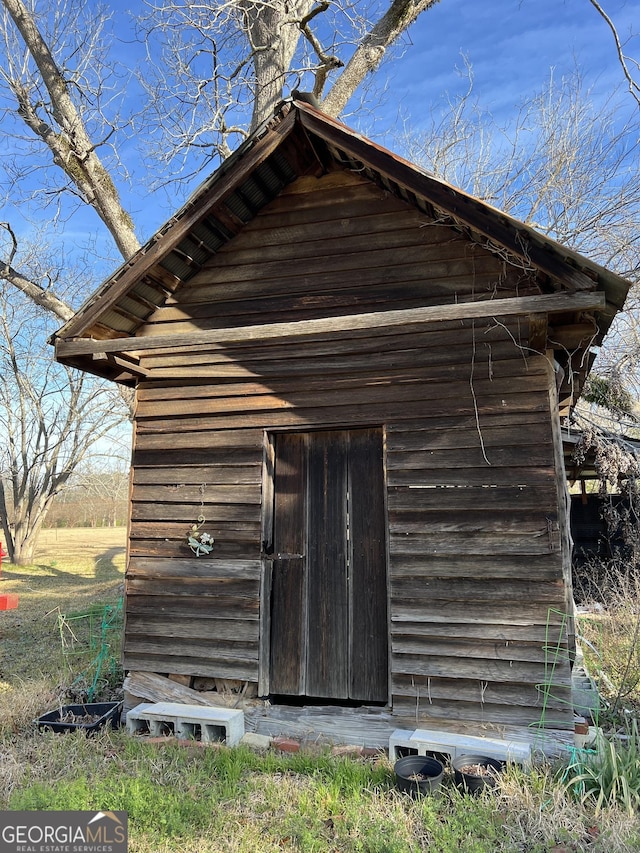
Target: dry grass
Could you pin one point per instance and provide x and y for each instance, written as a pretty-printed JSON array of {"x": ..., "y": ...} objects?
[
  {"x": 208, "y": 801},
  {"x": 74, "y": 570},
  {"x": 93, "y": 552},
  {"x": 543, "y": 816},
  {"x": 612, "y": 634}
]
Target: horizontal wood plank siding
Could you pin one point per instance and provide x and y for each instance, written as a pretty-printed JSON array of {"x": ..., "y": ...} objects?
[{"x": 476, "y": 599}]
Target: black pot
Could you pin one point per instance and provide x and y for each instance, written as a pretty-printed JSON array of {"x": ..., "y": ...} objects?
[
  {"x": 473, "y": 783},
  {"x": 418, "y": 774},
  {"x": 88, "y": 717}
]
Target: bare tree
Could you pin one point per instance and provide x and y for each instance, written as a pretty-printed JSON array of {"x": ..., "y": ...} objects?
[
  {"x": 54, "y": 67},
  {"x": 96, "y": 494},
  {"x": 224, "y": 68},
  {"x": 226, "y": 65},
  {"x": 106, "y": 488},
  {"x": 564, "y": 163},
  {"x": 566, "y": 166},
  {"x": 59, "y": 81},
  {"x": 50, "y": 419}
]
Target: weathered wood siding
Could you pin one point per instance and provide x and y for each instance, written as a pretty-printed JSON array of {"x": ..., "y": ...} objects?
[{"x": 476, "y": 597}]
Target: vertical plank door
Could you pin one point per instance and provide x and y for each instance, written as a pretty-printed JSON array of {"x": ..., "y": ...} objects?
[{"x": 329, "y": 635}]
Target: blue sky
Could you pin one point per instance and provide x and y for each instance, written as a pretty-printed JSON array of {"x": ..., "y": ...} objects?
[{"x": 512, "y": 46}]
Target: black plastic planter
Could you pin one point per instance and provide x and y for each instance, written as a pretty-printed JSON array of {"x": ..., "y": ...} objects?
[
  {"x": 474, "y": 773},
  {"x": 418, "y": 774},
  {"x": 90, "y": 717}
]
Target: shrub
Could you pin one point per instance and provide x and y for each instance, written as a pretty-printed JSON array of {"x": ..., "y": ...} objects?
[{"x": 610, "y": 774}]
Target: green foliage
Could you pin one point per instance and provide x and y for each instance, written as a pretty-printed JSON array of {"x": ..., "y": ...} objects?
[
  {"x": 609, "y": 393},
  {"x": 610, "y": 774},
  {"x": 180, "y": 789},
  {"x": 455, "y": 821}
]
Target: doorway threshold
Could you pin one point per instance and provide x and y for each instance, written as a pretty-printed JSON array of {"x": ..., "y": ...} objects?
[
  {"x": 366, "y": 726},
  {"x": 372, "y": 727}
]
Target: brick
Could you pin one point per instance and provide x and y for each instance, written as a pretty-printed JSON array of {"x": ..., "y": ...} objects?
[{"x": 285, "y": 744}]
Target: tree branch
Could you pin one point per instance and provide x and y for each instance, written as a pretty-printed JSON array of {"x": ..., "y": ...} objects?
[
  {"x": 72, "y": 148},
  {"x": 45, "y": 298},
  {"x": 328, "y": 61},
  {"x": 634, "y": 88},
  {"x": 369, "y": 53}
]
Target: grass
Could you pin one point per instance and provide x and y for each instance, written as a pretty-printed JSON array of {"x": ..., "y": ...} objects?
[
  {"x": 196, "y": 799},
  {"x": 75, "y": 569},
  {"x": 611, "y": 632},
  {"x": 217, "y": 799},
  {"x": 609, "y": 774},
  {"x": 612, "y": 653}
]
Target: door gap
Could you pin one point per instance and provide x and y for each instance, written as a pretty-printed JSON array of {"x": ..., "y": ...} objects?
[{"x": 318, "y": 701}]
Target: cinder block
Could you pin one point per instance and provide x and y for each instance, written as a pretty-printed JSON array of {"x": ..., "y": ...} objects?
[
  {"x": 454, "y": 745},
  {"x": 202, "y": 722},
  {"x": 425, "y": 741},
  {"x": 137, "y": 725},
  {"x": 400, "y": 738}
]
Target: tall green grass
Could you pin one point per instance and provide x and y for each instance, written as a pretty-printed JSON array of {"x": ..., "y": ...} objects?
[{"x": 608, "y": 774}]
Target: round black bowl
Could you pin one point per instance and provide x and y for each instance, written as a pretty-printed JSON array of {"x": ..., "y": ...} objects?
[
  {"x": 418, "y": 774},
  {"x": 473, "y": 783}
]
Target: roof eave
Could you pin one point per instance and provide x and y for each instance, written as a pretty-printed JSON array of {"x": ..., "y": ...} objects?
[{"x": 568, "y": 269}]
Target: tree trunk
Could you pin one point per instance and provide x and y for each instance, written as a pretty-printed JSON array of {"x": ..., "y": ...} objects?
[
  {"x": 23, "y": 552},
  {"x": 4, "y": 515},
  {"x": 273, "y": 35},
  {"x": 26, "y": 529},
  {"x": 71, "y": 147}
]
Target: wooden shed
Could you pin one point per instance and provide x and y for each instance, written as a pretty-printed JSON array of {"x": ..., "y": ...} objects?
[{"x": 355, "y": 373}]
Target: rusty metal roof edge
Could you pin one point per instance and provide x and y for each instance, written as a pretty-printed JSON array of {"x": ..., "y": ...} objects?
[{"x": 612, "y": 279}]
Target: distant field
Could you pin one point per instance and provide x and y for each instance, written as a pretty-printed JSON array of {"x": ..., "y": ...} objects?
[
  {"x": 83, "y": 546},
  {"x": 74, "y": 569}
]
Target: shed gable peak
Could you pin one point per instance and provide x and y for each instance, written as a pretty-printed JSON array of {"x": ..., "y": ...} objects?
[{"x": 319, "y": 176}]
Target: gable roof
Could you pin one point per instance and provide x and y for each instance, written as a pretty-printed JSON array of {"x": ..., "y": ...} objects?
[{"x": 301, "y": 140}]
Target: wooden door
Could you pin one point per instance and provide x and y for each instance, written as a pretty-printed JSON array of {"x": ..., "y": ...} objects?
[{"x": 329, "y": 634}]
